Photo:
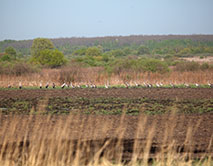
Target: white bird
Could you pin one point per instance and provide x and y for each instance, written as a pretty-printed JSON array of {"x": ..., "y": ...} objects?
[
  {"x": 136, "y": 84},
  {"x": 20, "y": 85},
  {"x": 158, "y": 85},
  {"x": 106, "y": 86},
  {"x": 197, "y": 85},
  {"x": 210, "y": 85},
  {"x": 63, "y": 85},
  {"x": 145, "y": 84},
  {"x": 187, "y": 85},
  {"x": 40, "y": 86},
  {"x": 127, "y": 85}
]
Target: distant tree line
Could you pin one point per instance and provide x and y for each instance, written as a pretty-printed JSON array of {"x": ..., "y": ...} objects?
[
  {"x": 69, "y": 45},
  {"x": 114, "y": 54}
]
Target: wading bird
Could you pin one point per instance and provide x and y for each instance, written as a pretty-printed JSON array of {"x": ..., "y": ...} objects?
[
  {"x": 136, "y": 84},
  {"x": 47, "y": 85},
  {"x": 149, "y": 85},
  {"x": 63, "y": 85},
  {"x": 107, "y": 85},
  {"x": 20, "y": 85},
  {"x": 40, "y": 85},
  {"x": 157, "y": 85},
  {"x": 210, "y": 85},
  {"x": 186, "y": 85},
  {"x": 127, "y": 85},
  {"x": 72, "y": 85},
  {"x": 172, "y": 85},
  {"x": 53, "y": 85},
  {"x": 94, "y": 86}
]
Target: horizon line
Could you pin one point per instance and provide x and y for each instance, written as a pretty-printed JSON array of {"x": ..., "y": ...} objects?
[{"x": 89, "y": 37}]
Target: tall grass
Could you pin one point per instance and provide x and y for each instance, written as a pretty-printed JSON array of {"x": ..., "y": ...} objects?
[
  {"x": 98, "y": 76},
  {"x": 90, "y": 140}
]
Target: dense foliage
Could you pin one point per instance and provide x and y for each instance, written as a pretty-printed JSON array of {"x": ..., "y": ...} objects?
[{"x": 44, "y": 53}]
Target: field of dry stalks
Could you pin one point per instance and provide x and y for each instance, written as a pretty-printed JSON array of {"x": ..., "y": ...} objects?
[
  {"x": 106, "y": 140},
  {"x": 97, "y": 76}
]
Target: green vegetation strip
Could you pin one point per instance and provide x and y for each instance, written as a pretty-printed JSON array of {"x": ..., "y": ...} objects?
[{"x": 104, "y": 106}]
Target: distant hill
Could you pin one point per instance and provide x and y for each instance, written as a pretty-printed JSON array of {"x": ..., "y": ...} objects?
[{"x": 68, "y": 45}]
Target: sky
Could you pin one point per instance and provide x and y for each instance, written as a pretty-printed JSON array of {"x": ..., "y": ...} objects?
[{"x": 29, "y": 19}]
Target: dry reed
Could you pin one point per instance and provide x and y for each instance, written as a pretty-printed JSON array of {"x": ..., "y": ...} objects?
[
  {"x": 97, "y": 76},
  {"x": 36, "y": 140}
]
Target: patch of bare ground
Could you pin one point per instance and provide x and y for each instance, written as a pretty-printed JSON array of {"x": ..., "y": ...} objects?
[
  {"x": 153, "y": 93},
  {"x": 198, "y": 59}
]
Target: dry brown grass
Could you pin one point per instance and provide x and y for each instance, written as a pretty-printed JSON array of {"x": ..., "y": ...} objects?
[
  {"x": 47, "y": 141},
  {"x": 98, "y": 76}
]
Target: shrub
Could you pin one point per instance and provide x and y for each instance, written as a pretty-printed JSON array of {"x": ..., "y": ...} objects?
[
  {"x": 5, "y": 57},
  {"x": 204, "y": 66},
  {"x": 139, "y": 65},
  {"x": 93, "y": 51},
  {"x": 18, "y": 68},
  {"x": 117, "y": 53},
  {"x": 43, "y": 53},
  {"x": 155, "y": 65},
  {"x": 187, "y": 66},
  {"x": 50, "y": 58},
  {"x": 143, "y": 50}
]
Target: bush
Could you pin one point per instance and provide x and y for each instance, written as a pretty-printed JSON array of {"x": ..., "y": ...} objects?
[
  {"x": 117, "y": 53},
  {"x": 139, "y": 65},
  {"x": 5, "y": 57},
  {"x": 155, "y": 65},
  {"x": 204, "y": 66},
  {"x": 143, "y": 50},
  {"x": 18, "y": 68},
  {"x": 50, "y": 58},
  {"x": 187, "y": 66},
  {"x": 44, "y": 53},
  {"x": 93, "y": 51}
]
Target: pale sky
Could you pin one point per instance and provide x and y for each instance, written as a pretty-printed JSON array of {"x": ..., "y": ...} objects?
[{"x": 29, "y": 19}]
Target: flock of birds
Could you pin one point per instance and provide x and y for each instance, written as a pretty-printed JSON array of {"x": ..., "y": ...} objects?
[{"x": 107, "y": 85}]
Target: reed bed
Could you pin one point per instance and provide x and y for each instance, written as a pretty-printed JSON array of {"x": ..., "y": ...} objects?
[
  {"x": 97, "y": 76},
  {"x": 73, "y": 140}
]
